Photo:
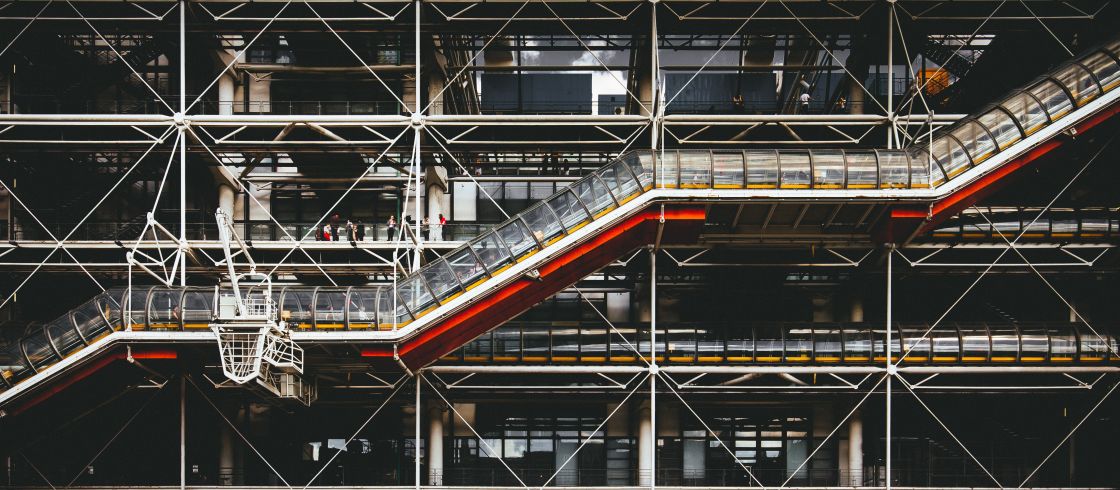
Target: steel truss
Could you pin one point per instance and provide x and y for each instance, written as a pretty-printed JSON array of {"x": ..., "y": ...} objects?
[{"x": 224, "y": 140}]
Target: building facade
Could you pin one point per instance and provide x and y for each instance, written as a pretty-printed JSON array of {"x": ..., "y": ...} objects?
[{"x": 528, "y": 244}]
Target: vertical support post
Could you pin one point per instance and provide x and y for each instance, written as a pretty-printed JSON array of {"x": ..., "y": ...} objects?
[
  {"x": 417, "y": 119},
  {"x": 416, "y": 442},
  {"x": 890, "y": 77},
  {"x": 653, "y": 367},
  {"x": 434, "y": 447},
  {"x": 891, "y": 369},
  {"x": 416, "y": 193},
  {"x": 654, "y": 70},
  {"x": 182, "y": 143},
  {"x": 183, "y": 432}
]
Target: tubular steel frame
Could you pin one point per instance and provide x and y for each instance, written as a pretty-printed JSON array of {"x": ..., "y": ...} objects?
[{"x": 211, "y": 134}]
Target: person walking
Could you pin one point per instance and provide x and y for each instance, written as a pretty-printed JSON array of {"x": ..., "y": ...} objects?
[
  {"x": 360, "y": 231},
  {"x": 392, "y": 226},
  {"x": 327, "y": 232}
]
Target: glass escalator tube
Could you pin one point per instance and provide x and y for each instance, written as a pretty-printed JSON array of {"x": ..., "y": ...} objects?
[
  {"x": 296, "y": 307},
  {"x": 795, "y": 169},
  {"x": 329, "y": 308},
  {"x": 361, "y": 309},
  {"x": 762, "y": 169},
  {"x": 862, "y": 168},
  {"x": 827, "y": 344},
  {"x": 857, "y": 344},
  {"x": 828, "y": 169},
  {"x": 727, "y": 169},
  {"x": 915, "y": 345},
  {"x": 976, "y": 343}
]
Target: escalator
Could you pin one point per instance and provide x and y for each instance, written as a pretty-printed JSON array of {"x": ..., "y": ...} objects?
[{"x": 639, "y": 199}]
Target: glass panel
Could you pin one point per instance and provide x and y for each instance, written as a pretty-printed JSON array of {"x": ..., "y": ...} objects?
[
  {"x": 799, "y": 345},
  {"x": 535, "y": 343},
  {"x": 696, "y": 169},
  {"x": 507, "y": 344},
  {"x": 464, "y": 264},
  {"x": 1005, "y": 345},
  {"x": 863, "y": 170},
  {"x": 1063, "y": 343},
  {"x": 1026, "y": 110},
  {"x": 740, "y": 344},
  {"x": 728, "y": 169},
  {"x": 362, "y": 308},
  {"x": 976, "y": 141},
  {"x": 919, "y": 170},
  {"x": 795, "y": 169},
  {"x": 915, "y": 346},
  {"x": 15, "y": 367},
  {"x": 667, "y": 170},
  {"x": 38, "y": 351},
  {"x": 565, "y": 344},
  {"x": 1093, "y": 346},
  {"x": 330, "y": 309},
  {"x": 440, "y": 278},
  {"x": 164, "y": 309},
  {"x": 951, "y": 155},
  {"x": 826, "y": 344},
  {"x": 1079, "y": 82},
  {"x": 390, "y": 309},
  {"x": 828, "y": 169},
  {"x": 682, "y": 344},
  {"x": 878, "y": 338},
  {"x": 976, "y": 343},
  {"x": 137, "y": 305},
  {"x": 709, "y": 345},
  {"x": 857, "y": 345},
  {"x": 894, "y": 170},
  {"x": 491, "y": 251},
  {"x": 89, "y": 320},
  {"x": 198, "y": 308},
  {"x": 296, "y": 308},
  {"x": 517, "y": 238},
  {"x": 641, "y": 163},
  {"x": 64, "y": 336},
  {"x": 415, "y": 295},
  {"x": 570, "y": 211},
  {"x": 593, "y": 344},
  {"x": 946, "y": 343},
  {"x": 762, "y": 169},
  {"x": 1053, "y": 99},
  {"x": 1002, "y": 126},
  {"x": 768, "y": 344},
  {"x": 542, "y": 223},
  {"x": 594, "y": 195},
  {"x": 1105, "y": 68},
  {"x": 1034, "y": 345},
  {"x": 619, "y": 181}
]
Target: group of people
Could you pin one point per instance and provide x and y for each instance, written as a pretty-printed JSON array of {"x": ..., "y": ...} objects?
[
  {"x": 334, "y": 231},
  {"x": 428, "y": 230},
  {"x": 355, "y": 231}
]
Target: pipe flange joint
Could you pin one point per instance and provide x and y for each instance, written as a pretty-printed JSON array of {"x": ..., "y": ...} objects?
[
  {"x": 180, "y": 119},
  {"x": 417, "y": 120}
]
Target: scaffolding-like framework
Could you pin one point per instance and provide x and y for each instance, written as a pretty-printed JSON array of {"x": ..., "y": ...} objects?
[{"x": 184, "y": 128}]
